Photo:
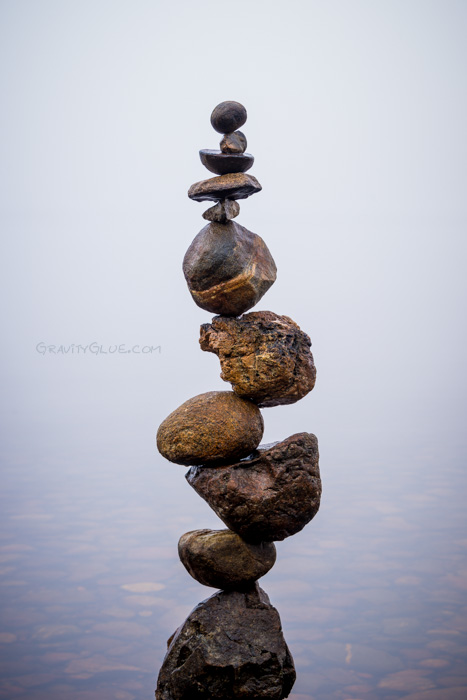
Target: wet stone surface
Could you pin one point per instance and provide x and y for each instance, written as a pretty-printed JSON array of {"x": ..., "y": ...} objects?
[{"x": 231, "y": 646}]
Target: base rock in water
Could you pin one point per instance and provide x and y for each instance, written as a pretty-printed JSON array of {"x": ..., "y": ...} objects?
[{"x": 231, "y": 646}]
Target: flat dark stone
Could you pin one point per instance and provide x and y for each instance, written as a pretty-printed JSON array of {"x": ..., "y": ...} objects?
[
  {"x": 222, "y": 163},
  {"x": 268, "y": 496},
  {"x": 228, "y": 186},
  {"x": 231, "y": 647}
]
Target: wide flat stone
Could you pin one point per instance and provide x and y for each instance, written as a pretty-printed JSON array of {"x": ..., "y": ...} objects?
[
  {"x": 264, "y": 356},
  {"x": 234, "y": 143},
  {"x": 231, "y": 647},
  {"x": 221, "y": 163},
  {"x": 222, "y": 211},
  {"x": 210, "y": 428},
  {"x": 268, "y": 496},
  {"x": 220, "y": 558},
  {"x": 229, "y": 186},
  {"x": 228, "y": 116},
  {"x": 228, "y": 269}
]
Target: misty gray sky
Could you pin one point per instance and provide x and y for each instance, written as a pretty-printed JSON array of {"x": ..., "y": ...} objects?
[{"x": 356, "y": 119}]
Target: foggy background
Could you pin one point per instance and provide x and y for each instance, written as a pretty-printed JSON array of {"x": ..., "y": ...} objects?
[{"x": 356, "y": 118}]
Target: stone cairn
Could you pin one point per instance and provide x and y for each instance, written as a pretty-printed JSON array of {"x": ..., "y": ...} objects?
[{"x": 231, "y": 645}]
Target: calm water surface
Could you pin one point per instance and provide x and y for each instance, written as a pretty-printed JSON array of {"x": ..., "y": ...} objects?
[{"x": 372, "y": 594}]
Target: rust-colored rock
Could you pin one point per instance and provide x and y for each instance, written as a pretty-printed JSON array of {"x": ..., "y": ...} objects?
[
  {"x": 228, "y": 186},
  {"x": 230, "y": 647},
  {"x": 222, "y": 211},
  {"x": 264, "y": 356},
  {"x": 234, "y": 143},
  {"x": 220, "y": 558},
  {"x": 210, "y": 428},
  {"x": 228, "y": 269},
  {"x": 228, "y": 116},
  {"x": 221, "y": 163},
  {"x": 269, "y": 496}
]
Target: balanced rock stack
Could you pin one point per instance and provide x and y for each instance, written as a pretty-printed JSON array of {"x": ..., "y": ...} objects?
[{"x": 231, "y": 645}]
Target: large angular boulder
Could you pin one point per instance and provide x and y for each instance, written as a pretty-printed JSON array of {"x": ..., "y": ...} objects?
[
  {"x": 264, "y": 356},
  {"x": 220, "y": 558},
  {"x": 211, "y": 428},
  {"x": 270, "y": 495},
  {"x": 228, "y": 268},
  {"x": 230, "y": 647}
]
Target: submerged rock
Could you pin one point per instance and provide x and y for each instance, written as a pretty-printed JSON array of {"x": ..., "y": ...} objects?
[
  {"x": 228, "y": 268},
  {"x": 220, "y": 558},
  {"x": 264, "y": 356},
  {"x": 230, "y": 647},
  {"x": 210, "y": 428},
  {"x": 270, "y": 495}
]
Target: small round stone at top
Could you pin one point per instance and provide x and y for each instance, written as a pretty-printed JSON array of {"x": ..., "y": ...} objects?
[{"x": 228, "y": 117}]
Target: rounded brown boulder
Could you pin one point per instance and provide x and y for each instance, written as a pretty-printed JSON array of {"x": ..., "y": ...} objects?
[
  {"x": 209, "y": 429},
  {"x": 221, "y": 559}
]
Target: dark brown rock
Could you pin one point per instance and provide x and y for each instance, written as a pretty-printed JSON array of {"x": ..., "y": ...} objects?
[
  {"x": 269, "y": 496},
  {"x": 228, "y": 269},
  {"x": 230, "y": 647},
  {"x": 264, "y": 356},
  {"x": 210, "y": 428},
  {"x": 228, "y": 116},
  {"x": 220, "y": 558},
  {"x": 229, "y": 186},
  {"x": 221, "y": 163},
  {"x": 222, "y": 211},
  {"x": 234, "y": 143}
]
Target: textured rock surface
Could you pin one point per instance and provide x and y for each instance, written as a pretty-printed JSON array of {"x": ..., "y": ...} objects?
[
  {"x": 264, "y": 356},
  {"x": 234, "y": 143},
  {"x": 228, "y": 269},
  {"x": 269, "y": 496},
  {"x": 220, "y": 558},
  {"x": 231, "y": 646},
  {"x": 210, "y": 428},
  {"x": 228, "y": 116},
  {"x": 221, "y": 163},
  {"x": 229, "y": 186},
  {"x": 222, "y": 211}
]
